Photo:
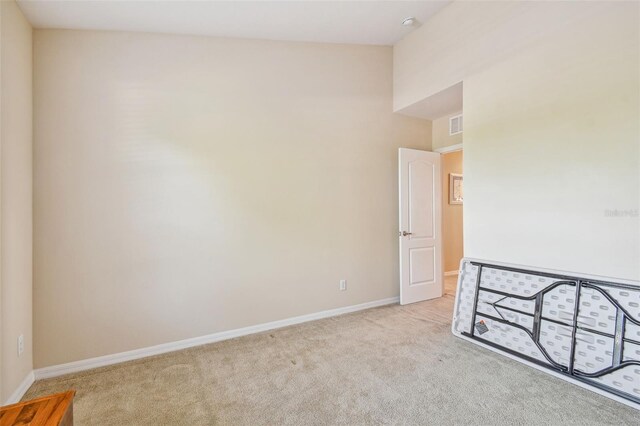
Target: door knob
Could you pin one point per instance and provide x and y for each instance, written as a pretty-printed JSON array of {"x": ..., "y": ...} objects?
[{"x": 405, "y": 233}]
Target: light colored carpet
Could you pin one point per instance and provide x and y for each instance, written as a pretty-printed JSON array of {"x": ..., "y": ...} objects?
[{"x": 389, "y": 365}]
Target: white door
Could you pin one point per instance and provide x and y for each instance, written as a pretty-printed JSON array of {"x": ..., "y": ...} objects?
[{"x": 421, "y": 275}]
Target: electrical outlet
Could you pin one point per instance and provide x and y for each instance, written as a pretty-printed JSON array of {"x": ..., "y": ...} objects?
[
  {"x": 343, "y": 285},
  {"x": 20, "y": 344}
]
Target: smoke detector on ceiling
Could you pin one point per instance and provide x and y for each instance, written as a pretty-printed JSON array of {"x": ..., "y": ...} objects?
[{"x": 409, "y": 22}]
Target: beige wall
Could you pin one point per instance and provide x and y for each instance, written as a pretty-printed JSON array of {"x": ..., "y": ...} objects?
[
  {"x": 189, "y": 185},
  {"x": 440, "y": 133},
  {"x": 16, "y": 195},
  {"x": 551, "y": 120},
  {"x": 552, "y": 143},
  {"x": 452, "y": 239}
]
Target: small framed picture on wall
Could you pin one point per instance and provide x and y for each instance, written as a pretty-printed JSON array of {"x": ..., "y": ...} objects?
[{"x": 456, "y": 195}]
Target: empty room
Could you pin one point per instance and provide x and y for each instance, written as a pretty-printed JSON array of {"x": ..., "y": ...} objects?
[{"x": 319, "y": 212}]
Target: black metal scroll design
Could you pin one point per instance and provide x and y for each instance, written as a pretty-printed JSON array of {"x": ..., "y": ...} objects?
[
  {"x": 537, "y": 317},
  {"x": 531, "y": 336},
  {"x": 617, "y": 304},
  {"x": 622, "y": 316},
  {"x": 607, "y": 370}
]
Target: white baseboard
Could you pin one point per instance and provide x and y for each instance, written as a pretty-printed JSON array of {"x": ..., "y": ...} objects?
[
  {"x": 450, "y": 273},
  {"x": 17, "y": 395},
  {"x": 87, "y": 364}
]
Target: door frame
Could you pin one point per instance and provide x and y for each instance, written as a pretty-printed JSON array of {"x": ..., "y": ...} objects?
[{"x": 448, "y": 149}]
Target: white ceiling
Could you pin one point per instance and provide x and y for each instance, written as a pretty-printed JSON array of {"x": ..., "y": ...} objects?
[
  {"x": 437, "y": 105},
  {"x": 359, "y": 22}
]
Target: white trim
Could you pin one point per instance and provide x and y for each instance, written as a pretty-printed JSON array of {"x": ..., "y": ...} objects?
[
  {"x": 448, "y": 149},
  {"x": 17, "y": 395},
  {"x": 450, "y": 273},
  {"x": 101, "y": 361}
]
